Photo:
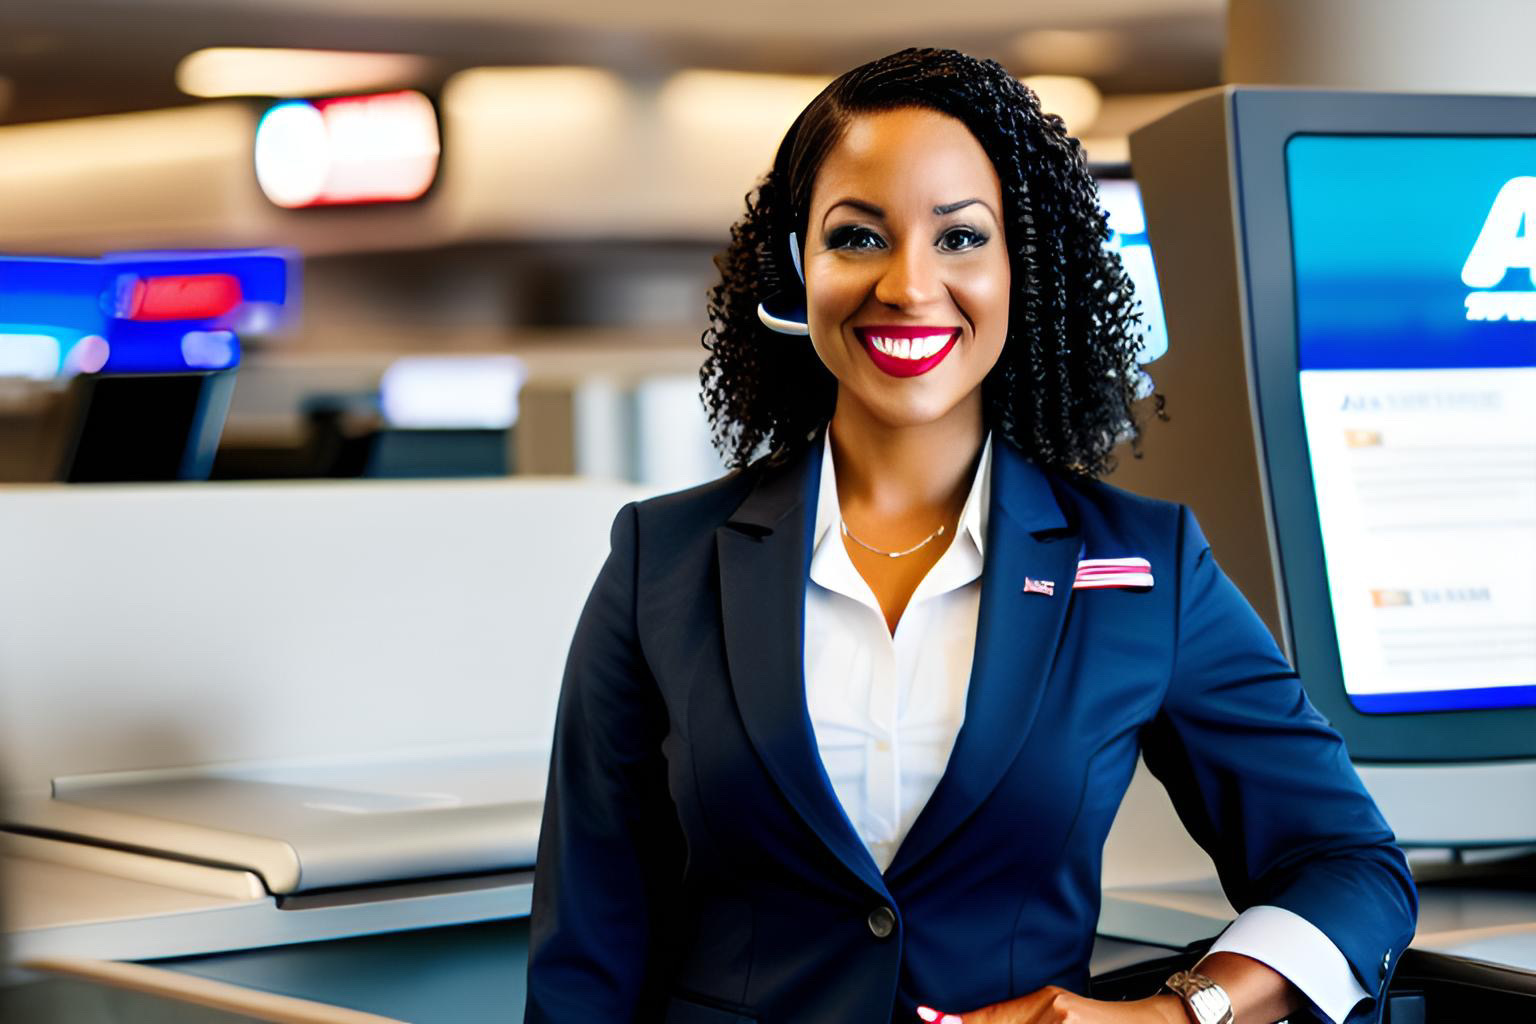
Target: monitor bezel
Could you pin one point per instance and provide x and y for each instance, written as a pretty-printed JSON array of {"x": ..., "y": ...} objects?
[{"x": 1263, "y": 121}]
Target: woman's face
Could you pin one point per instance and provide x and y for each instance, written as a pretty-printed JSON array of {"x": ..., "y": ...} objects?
[{"x": 906, "y": 269}]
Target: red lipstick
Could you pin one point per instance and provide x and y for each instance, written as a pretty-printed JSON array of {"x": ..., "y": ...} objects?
[{"x": 907, "y": 350}]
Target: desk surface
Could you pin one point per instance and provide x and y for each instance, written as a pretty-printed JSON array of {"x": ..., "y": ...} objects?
[
  {"x": 461, "y": 975},
  {"x": 64, "y": 899},
  {"x": 304, "y": 825}
]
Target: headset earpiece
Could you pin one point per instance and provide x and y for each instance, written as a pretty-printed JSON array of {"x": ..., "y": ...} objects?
[{"x": 783, "y": 316}]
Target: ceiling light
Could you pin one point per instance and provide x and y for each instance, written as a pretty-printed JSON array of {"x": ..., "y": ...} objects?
[
  {"x": 1069, "y": 51},
  {"x": 731, "y": 100},
  {"x": 235, "y": 71},
  {"x": 729, "y": 122},
  {"x": 1075, "y": 100},
  {"x": 570, "y": 100}
]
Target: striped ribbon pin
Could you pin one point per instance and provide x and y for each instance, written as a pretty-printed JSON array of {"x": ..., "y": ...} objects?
[{"x": 1103, "y": 573}]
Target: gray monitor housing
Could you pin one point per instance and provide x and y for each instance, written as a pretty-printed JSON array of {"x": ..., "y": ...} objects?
[{"x": 1213, "y": 181}]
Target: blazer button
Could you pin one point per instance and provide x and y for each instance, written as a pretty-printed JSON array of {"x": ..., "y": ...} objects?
[{"x": 882, "y": 921}]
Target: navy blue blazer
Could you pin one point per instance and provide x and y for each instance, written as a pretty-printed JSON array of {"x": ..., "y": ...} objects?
[{"x": 695, "y": 866}]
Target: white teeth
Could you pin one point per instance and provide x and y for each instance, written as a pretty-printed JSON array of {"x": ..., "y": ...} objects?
[
  {"x": 922, "y": 348},
  {"x": 911, "y": 348}
]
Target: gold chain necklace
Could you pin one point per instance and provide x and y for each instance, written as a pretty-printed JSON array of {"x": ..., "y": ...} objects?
[{"x": 889, "y": 554}]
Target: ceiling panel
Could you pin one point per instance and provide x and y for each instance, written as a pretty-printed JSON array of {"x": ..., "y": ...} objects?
[{"x": 67, "y": 58}]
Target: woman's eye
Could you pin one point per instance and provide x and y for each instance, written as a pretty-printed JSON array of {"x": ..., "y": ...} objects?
[
  {"x": 961, "y": 239},
  {"x": 852, "y": 237}
]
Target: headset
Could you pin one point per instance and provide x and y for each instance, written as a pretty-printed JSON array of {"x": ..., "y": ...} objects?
[{"x": 781, "y": 313}]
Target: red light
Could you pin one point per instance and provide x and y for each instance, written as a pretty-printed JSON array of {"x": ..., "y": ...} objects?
[{"x": 182, "y": 297}]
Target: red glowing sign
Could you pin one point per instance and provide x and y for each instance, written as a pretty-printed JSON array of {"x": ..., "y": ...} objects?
[{"x": 357, "y": 149}]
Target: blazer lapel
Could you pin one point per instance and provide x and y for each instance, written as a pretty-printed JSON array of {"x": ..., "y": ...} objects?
[
  {"x": 764, "y": 552},
  {"x": 1028, "y": 540}
]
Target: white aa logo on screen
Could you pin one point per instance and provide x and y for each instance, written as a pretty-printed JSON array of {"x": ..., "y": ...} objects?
[
  {"x": 1508, "y": 239},
  {"x": 1506, "y": 243}
]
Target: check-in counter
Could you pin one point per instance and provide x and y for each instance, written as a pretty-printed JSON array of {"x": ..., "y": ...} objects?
[
  {"x": 243, "y": 717},
  {"x": 292, "y": 739}
]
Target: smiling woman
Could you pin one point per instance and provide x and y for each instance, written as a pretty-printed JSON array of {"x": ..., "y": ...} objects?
[{"x": 842, "y": 734}]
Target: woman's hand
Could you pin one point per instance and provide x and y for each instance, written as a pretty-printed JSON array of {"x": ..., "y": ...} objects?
[
  {"x": 1257, "y": 991},
  {"x": 1052, "y": 1005}
]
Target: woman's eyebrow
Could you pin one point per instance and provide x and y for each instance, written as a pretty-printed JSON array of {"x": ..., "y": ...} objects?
[
  {"x": 858, "y": 204},
  {"x": 875, "y": 211},
  {"x": 949, "y": 208}
]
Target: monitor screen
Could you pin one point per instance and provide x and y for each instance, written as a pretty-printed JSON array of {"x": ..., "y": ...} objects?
[
  {"x": 1121, "y": 199},
  {"x": 1415, "y": 303},
  {"x": 148, "y": 427}
]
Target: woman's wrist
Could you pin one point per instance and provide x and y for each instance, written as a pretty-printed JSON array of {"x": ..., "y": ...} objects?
[{"x": 1170, "y": 1008}]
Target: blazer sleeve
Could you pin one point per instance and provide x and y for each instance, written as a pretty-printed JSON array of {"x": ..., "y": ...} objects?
[
  {"x": 610, "y": 850},
  {"x": 1265, "y": 785}
]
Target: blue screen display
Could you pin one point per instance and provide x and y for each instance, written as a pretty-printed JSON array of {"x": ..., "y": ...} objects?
[
  {"x": 1415, "y": 272},
  {"x": 1386, "y": 231}
]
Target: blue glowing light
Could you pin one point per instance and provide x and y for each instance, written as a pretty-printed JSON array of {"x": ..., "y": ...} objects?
[{"x": 70, "y": 312}]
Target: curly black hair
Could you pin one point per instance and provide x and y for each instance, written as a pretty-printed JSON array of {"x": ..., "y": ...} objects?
[{"x": 1063, "y": 389}]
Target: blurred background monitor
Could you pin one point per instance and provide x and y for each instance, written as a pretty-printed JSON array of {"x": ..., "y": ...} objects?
[
  {"x": 112, "y": 428},
  {"x": 122, "y": 367},
  {"x": 145, "y": 427},
  {"x": 1121, "y": 198},
  {"x": 1350, "y": 292},
  {"x": 447, "y": 416}
]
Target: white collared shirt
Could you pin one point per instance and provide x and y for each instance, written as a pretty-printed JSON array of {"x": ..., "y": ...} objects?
[{"x": 886, "y": 709}]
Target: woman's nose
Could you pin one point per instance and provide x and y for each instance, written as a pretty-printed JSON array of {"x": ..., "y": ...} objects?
[{"x": 909, "y": 278}]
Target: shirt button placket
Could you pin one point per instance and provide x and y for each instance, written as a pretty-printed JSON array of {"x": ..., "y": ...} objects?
[{"x": 885, "y": 786}]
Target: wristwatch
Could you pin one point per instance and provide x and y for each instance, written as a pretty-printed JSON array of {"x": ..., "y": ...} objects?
[{"x": 1205, "y": 1000}]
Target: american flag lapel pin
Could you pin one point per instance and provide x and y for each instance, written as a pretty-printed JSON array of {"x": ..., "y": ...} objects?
[{"x": 1034, "y": 586}]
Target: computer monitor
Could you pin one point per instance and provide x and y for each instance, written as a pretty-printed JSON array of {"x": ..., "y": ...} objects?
[
  {"x": 129, "y": 360},
  {"x": 147, "y": 427},
  {"x": 1120, "y": 197},
  {"x": 1350, "y": 286}
]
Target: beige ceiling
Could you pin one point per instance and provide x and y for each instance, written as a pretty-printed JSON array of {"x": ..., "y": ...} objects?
[
  {"x": 809, "y": 20},
  {"x": 66, "y": 58}
]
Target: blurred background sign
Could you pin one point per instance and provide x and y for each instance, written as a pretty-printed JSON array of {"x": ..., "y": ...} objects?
[
  {"x": 122, "y": 368},
  {"x": 348, "y": 149}
]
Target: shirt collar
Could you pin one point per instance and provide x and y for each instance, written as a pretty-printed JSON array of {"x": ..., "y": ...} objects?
[{"x": 973, "y": 517}]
